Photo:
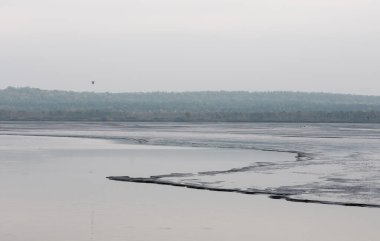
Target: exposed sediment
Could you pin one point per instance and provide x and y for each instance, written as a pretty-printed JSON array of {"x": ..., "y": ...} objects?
[{"x": 271, "y": 194}]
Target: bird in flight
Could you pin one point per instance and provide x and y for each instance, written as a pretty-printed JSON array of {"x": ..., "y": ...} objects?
[{"x": 92, "y": 82}]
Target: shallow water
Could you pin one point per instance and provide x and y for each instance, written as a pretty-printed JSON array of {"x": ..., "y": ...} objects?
[
  {"x": 55, "y": 189},
  {"x": 337, "y": 163}
]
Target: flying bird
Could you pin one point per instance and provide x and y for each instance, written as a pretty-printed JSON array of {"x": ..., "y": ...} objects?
[{"x": 92, "y": 82}]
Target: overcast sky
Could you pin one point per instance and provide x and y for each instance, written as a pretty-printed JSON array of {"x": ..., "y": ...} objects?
[{"x": 179, "y": 45}]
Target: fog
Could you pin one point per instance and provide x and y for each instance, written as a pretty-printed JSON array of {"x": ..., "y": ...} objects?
[{"x": 167, "y": 45}]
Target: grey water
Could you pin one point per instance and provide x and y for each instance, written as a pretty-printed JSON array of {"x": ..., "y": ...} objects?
[{"x": 326, "y": 163}]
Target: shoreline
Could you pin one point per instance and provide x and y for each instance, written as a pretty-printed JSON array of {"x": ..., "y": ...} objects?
[{"x": 272, "y": 195}]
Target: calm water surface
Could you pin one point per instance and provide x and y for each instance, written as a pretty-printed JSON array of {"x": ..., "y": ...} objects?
[{"x": 53, "y": 187}]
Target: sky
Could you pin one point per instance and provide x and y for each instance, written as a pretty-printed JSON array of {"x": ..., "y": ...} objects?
[{"x": 191, "y": 45}]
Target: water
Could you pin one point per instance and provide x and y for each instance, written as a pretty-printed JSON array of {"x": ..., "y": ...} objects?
[
  {"x": 338, "y": 163},
  {"x": 53, "y": 183}
]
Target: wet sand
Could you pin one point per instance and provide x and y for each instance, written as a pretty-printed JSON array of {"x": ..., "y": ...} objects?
[{"x": 56, "y": 189}]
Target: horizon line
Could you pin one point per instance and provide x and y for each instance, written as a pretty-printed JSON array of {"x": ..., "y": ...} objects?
[{"x": 190, "y": 91}]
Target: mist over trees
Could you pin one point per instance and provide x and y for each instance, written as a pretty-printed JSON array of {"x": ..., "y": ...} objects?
[{"x": 36, "y": 104}]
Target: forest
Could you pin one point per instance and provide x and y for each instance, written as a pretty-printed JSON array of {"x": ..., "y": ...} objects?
[{"x": 31, "y": 104}]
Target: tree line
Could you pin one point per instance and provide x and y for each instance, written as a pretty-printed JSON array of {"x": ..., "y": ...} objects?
[{"x": 24, "y": 104}]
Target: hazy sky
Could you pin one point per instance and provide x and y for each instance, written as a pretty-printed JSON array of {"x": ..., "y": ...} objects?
[{"x": 176, "y": 45}]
